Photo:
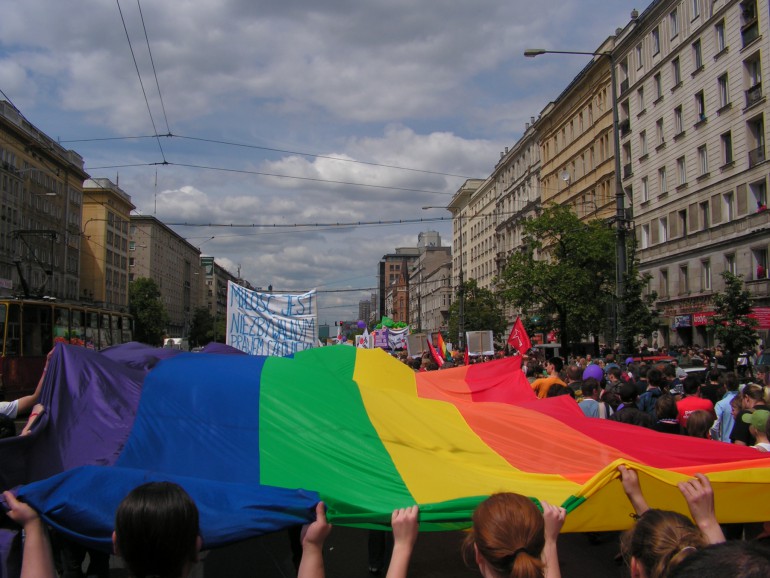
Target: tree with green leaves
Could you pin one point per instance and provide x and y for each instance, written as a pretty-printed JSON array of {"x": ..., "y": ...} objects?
[
  {"x": 735, "y": 330},
  {"x": 565, "y": 271},
  {"x": 150, "y": 315},
  {"x": 639, "y": 317},
  {"x": 201, "y": 327},
  {"x": 482, "y": 312}
]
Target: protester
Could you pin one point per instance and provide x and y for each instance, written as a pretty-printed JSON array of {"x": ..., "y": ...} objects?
[
  {"x": 156, "y": 534},
  {"x": 591, "y": 405},
  {"x": 758, "y": 421},
  {"x": 723, "y": 409},
  {"x": 553, "y": 366},
  {"x": 692, "y": 401},
  {"x": 665, "y": 411},
  {"x": 747, "y": 559},
  {"x": 661, "y": 540},
  {"x": 699, "y": 424},
  {"x": 23, "y": 405},
  {"x": 752, "y": 399}
]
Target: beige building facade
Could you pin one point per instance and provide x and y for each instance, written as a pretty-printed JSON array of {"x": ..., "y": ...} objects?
[
  {"x": 104, "y": 249},
  {"x": 158, "y": 253},
  {"x": 694, "y": 154},
  {"x": 41, "y": 193}
]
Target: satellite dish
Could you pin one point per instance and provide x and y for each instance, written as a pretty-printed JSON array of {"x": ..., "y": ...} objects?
[{"x": 565, "y": 176}]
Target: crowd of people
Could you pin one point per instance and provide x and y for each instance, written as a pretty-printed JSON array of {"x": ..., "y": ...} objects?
[{"x": 157, "y": 528}]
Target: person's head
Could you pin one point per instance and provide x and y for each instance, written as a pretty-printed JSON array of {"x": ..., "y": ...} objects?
[
  {"x": 558, "y": 389},
  {"x": 757, "y": 421},
  {"x": 690, "y": 385},
  {"x": 665, "y": 407},
  {"x": 669, "y": 371},
  {"x": 590, "y": 388},
  {"x": 574, "y": 373},
  {"x": 660, "y": 541},
  {"x": 736, "y": 405},
  {"x": 507, "y": 537},
  {"x": 731, "y": 381},
  {"x": 655, "y": 378},
  {"x": 742, "y": 558},
  {"x": 554, "y": 365},
  {"x": 627, "y": 393},
  {"x": 614, "y": 374},
  {"x": 752, "y": 395},
  {"x": 156, "y": 531},
  {"x": 699, "y": 423}
]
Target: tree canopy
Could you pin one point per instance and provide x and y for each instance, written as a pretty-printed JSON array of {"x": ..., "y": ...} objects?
[
  {"x": 148, "y": 310},
  {"x": 733, "y": 327},
  {"x": 565, "y": 271},
  {"x": 482, "y": 312}
]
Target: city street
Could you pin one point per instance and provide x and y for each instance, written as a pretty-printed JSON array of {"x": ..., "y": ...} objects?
[{"x": 436, "y": 554}]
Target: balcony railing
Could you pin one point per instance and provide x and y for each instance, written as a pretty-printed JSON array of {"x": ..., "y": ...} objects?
[
  {"x": 754, "y": 94},
  {"x": 750, "y": 32},
  {"x": 756, "y": 156}
]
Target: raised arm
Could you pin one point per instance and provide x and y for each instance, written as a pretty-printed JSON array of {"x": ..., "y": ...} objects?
[
  {"x": 26, "y": 403},
  {"x": 700, "y": 500},
  {"x": 405, "y": 524},
  {"x": 37, "y": 561},
  {"x": 554, "y": 517},
  {"x": 313, "y": 537},
  {"x": 630, "y": 480}
]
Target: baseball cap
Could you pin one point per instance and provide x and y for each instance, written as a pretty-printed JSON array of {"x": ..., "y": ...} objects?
[{"x": 758, "y": 419}]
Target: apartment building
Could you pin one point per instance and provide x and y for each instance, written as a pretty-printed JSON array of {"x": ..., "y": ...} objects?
[
  {"x": 388, "y": 271},
  {"x": 158, "y": 253},
  {"x": 693, "y": 149},
  {"x": 576, "y": 142},
  {"x": 104, "y": 248},
  {"x": 214, "y": 288},
  {"x": 41, "y": 191},
  {"x": 430, "y": 284}
]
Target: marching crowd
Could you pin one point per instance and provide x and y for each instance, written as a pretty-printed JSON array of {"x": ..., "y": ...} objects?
[{"x": 156, "y": 525}]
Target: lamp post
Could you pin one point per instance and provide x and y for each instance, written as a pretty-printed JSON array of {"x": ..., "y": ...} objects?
[
  {"x": 620, "y": 211},
  {"x": 461, "y": 287}
]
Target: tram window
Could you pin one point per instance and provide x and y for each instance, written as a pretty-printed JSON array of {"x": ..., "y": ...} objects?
[
  {"x": 37, "y": 330},
  {"x": 125, "y": 326},
  {"x": 61, "y": 327},
  {"x": 13, "y": 335},
  {"x": 76, "y": 327},
  {"x": 3, "y": 311}
]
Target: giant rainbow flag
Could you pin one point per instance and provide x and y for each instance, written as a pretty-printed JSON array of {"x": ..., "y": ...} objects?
[{"x": 366, "y": 434}]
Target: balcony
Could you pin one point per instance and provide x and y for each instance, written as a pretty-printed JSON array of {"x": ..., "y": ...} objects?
[
  {"x": 754, "y": 95},
  {"x": 756, "y": 156}
]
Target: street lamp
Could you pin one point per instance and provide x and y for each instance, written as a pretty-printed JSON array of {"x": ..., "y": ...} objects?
[
  {"x": 461, "y": 287},
  {"x": 620, "y": 211}
]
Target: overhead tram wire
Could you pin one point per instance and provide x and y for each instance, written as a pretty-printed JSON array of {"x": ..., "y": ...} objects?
[
  {"x": 144, "y": 92},
  {"x": 313, "y": 225},
  {"x": 154, "y": 71},
  {"x": 269, "y": 149},
  {"x": 263, "y": 174}
]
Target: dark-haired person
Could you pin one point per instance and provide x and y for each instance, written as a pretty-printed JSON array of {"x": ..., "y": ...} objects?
[
  {"x": 752, "y": 398},
  {"x": 591, "y": 405},
  {"x": 553, "y": 366}
]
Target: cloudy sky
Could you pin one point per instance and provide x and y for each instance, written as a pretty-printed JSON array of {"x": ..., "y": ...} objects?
[{"x": 294, "y": 112}]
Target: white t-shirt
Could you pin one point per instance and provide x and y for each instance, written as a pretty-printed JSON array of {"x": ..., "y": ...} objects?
[
  {"x": 9, "y": 408},
  {"x": 762, "y": 447}
]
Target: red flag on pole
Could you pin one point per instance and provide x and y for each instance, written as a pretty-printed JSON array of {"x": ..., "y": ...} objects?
[
  {"x": 434, "y": 353},
  {"x": 519, "y": 338},
  {"x": 467, "y": 357}
]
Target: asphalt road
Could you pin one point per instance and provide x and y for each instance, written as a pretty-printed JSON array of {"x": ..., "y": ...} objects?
[{"x": 436, "y": 554}]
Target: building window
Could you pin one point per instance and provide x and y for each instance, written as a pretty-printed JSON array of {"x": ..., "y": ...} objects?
[
  {"x": 645, "y": 236},
  {"x": 749, "y": 22},
  {"x": 645, "y": 190},
  {"x": 719, "y": 34},
  {"x": 662, "y": 182},
  {"x": 700, "y": 106},
  {"x": 664, "y": 282},
  {"x": 681, "y": 171},
  {"x": 684, "y": 280},
  {"x": 727, "y": 148},
  {"x": 643, "y": 143},
  {"x": 730, "y": 264},
  {"x": 753, "y": 75},
  {"x": 658, "y": 86},
  {"x": 132, "y": 246},
  {"x": 760, "y": 263},
  {"x": 703, "y": 160},
  {"x": 639, "y": 56},
  {"x": 676, "y": 72},
  {"x": 697, "y": 55},
  {"x": 659, "y": 132},
  {"x": 755, "y": 140},
  {"x": 663, "y": 229},
  {"x": 724, "y": 91},
  {"x": 695, "y": 9},
  {"x": 640, "y": 99},
  {"x": 678, "y": 120},
  {"x": 655, "y": 41},
  {"x": 682, "y": 216},
  {"x": 705, "y": 215},
  {"x": 758, "y": 191},
  {"x": 673, "y": 22},
  {"x": 728, "y": 205}
]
